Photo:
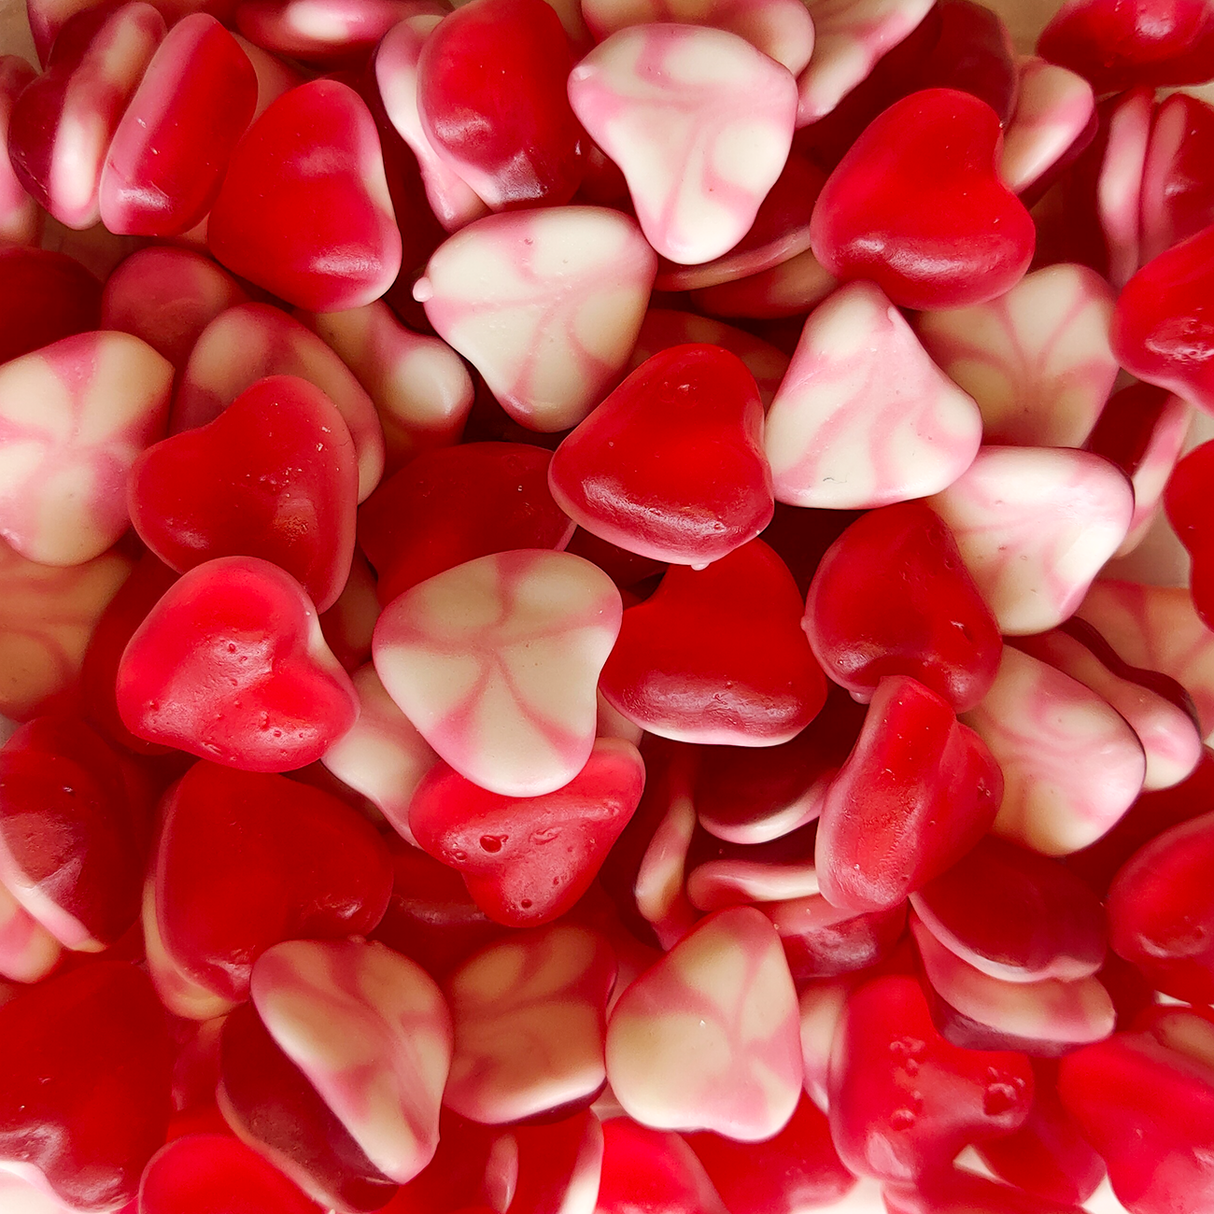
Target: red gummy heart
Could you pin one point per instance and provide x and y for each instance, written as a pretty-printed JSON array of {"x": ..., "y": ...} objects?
[
  {"x": 85, "y": 1095},
  {"x": 304, "y": 209},
  {"x": 717, "y": 655},
  {"x": 918, "y": 206},
  {"x": 892, "y": 596},
  {"x": 248, "y": 860},
  {"x": 527, "y": 860},
  {"x": 671, "y": 464},
  {"x": 231, "y": 666},
  {"x": 903, "y": 1100},
  {"x": 44, "y": 296},
  {"x": 275, "y": 475}
]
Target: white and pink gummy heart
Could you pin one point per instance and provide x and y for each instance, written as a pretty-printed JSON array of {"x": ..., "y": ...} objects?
[
  {"x": 864, "y": 418},
  {"x": 545, "y": 304},
  {"x": 699, "y": 122},
  {"x": 496, "y": 662},
  {"x": 1054, "y": 106},
  {"x": 709, "y": 1037}
]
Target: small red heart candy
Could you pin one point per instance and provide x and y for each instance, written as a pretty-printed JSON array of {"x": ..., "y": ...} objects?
[
  {"x": 231, "y": 666},
  {"x": 918, "y": 206},
  {"x": 275, "y": 475},
  {"x": 718, "y": 656},
  {"x": 671, "y": 464},
  {"x": 527, "y": 860}
]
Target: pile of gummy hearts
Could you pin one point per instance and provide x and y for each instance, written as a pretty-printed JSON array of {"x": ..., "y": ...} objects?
[{"x": 566, "y": 614}]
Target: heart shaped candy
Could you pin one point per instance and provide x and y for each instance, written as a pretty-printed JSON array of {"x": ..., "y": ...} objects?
[
  {"x": 275, "y": 476},
  {"x": 231, "y": 666},
  {"x": 671, "y": 464},
  {"x": 950, "y": 234}
]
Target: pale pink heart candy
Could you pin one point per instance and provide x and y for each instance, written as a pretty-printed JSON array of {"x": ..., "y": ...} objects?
[
  {"x": 453, "y": 201},
  {"x": 28, "y": 952},
  {"x": 782, "y": 29},
  {"x": 851, "y": 35},
  {"x": 20, "y": 217},
  {"x": 47, "y": 615},
  {"x": 1054, "y": 106},
  {"x": 1035, "y": 525},
  {"x": 1157, "y": 628},
  {"x": 1119, "y": 184},
  {"x": 73, "y": 418},
  {"x": 1037, "y": 360},
  {"x": 383, "y": 756},
  {"x": 420, "y": 387},
  {"x": 699, "y": 122},
  {"x": 864, "y": 418},
  {"x": 1169, "y": 734},
  {"x": 789, "y": 289},
  {"x": 1071, "y": 764},
  {"x": 737, "y": 882},
  {"x": 709, "y": 1038},
  {"x": 1052, "y": 1011},
  {"x": 545, "y": 304},
  {"x": 249, "y": 342},
  {"x": 821, "y": 1007},
  {"x": 497, "y": 663},
  {"x": 371, "y": 1031},
  {"x": 529, "y": 1015},
  {"x": 1159, "y": 456}
]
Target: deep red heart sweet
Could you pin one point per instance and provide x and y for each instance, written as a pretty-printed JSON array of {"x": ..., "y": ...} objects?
[
  {"x": 247, "y": 860},
  {"x": 44, "y": 296},
  {"x": 527, "y": 860},
  {"x": 275, "y": 475},
  {"x": 717, "y": 655},
  {"x": 671, "y": 464},
  {"x": 231, "y": 666},
  {"x": 951, "y": 233},
  {"x": 892, "y": 596},
  {"x": 304, "y": 209},
  {"x": 903, "y": 1101},
  {"x": 84, "y": 1099}
]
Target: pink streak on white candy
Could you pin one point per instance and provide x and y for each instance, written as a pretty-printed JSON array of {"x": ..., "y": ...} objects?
[
  {"x": 793, "y": 287},
  {"x": 421, "y": 389},
  {"x": 529, "y": 1015},
  {"x": 19, "y": 216},
  {"x": 737, "y": 882},
  {"x": 322, "y": 31},
  {"x": 453, "y": 201},
  {"x": 383, "y": 756},
  {"x": 1037, "y": 360},
  {"x": 709, "y": 1038},
  {"x": 546, "y": 304},
  {"x": 1035, "y": 525},
  {"x": 28, "y": 952},
  {"x": 699, "y": 122},
  {"x": 371, "y": 1031},
  {"x": 497, "y": 663},
  {"x": 73, "y": 418},
  {"x": 251, "y": 341},
  {"x": 821, "y": 1008},
  {"x": 659, "y": 887},
  {"x": 781, "y": 29},
  {"x": 1053, "y": 108},
  {"x": 1119, "y": 186},
  {"x": 864, "y": 418},
  {"x": 1159, "y": 457},
  {"x": 1071, "y": 764},
  {"x": 851, "y": 36}
]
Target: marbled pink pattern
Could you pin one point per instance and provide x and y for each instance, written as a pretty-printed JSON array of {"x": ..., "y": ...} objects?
[
  {"x": 73, "y": 418},
  {"x": 851, "y": 36},
  {"x": 371, "y": 1031},
  {"x": 1163, "y": 449},
  {"x": 1071, "y": 764},
  {"x": 660, "y": 885},
  {"x": 1119, "y": 185},
  {"x": 20, "y": 219},
  {"x": 1168, "y": 733},
  {"x": 545, "y": 304},
  {"x": 1051, "y": 1011},
  {"x": 497, "y": 663},
  {"x": 736, "y": 882},
  {"x": 28, "y": 952},
  {"x": 420, "y": 387},
  {"x": 822, "y": 1005},
  {"x": 529, "y": 1015},
  {"x": 1035, "y": 525},
  {"x": 709, "y": 1037},
  {"x": 1156, "y": 628},
  {"x": 453, "y": 201},
  {"x": 1037, "y": 360},
  {"x": 782, "y": 29},
  {"x": 249, "y": 342},
  {"x": 864, "y": 418},
  {"x": 789, "y": 289},
  {"x": 699, "y": 122},
  {"x": 1053, "y": 108},
  {"x": 383, "y": 756}
]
